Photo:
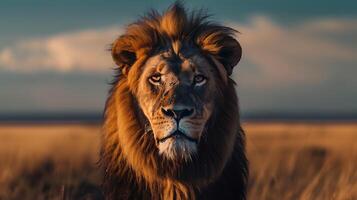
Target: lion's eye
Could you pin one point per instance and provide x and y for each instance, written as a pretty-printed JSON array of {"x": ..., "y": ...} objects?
[
  {"x": 155, "y": 79},
  {"x": 199, "y": 80}
]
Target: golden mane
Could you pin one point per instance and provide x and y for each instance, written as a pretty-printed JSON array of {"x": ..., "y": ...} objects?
[
  {"x": 129, "y": 157},
  {"x": 175, "y": 29}
]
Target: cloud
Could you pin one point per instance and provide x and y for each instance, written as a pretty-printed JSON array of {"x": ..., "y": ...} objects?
[
  {"x": 83, "y": 50},
  {"x": 304, "y": 67},
  {"x": 308, "y": 52},
  {"x": 276, "y": 53}
]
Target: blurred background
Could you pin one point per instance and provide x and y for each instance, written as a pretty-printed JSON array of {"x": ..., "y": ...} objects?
[
  {"x": 299, "y": 58},
  {"x": 296, "y": 83}
]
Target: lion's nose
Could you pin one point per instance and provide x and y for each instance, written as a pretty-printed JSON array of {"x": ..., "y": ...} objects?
[{"x": 177, "y": 114}]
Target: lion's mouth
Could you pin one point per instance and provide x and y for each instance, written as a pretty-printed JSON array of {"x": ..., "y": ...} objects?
[{"x": 178, "y": 134}]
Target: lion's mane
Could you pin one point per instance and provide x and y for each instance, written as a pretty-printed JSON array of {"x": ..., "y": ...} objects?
[{"x": 132, "y": 166}]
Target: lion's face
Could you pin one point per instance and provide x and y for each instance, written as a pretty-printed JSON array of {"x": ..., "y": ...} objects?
[
  {"x": 176, "y": 94},
  {"x": 176, "y": 67}
]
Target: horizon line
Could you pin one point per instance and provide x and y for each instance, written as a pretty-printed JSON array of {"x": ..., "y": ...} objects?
[{"x": 97, "y": 117}]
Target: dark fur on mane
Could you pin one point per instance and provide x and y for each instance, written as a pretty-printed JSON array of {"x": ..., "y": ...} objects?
[{"x": 133, "y": 169}]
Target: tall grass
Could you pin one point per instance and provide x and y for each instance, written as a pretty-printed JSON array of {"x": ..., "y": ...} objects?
[
  {"x": 302, "y": 161},
  {"x": 287, "y": 161}
]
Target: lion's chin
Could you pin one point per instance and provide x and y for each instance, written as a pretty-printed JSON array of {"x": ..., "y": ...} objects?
[{"x": 177, "y": 148}]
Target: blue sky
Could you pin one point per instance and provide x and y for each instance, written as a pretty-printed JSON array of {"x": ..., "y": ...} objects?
[{"x": 298, "y": 56}]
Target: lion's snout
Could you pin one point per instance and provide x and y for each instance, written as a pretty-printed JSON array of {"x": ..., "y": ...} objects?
[
  {"x": 177, "y": 112},
  {"x": 184, "y": 118},
  {"x": 179, "y": 138}
]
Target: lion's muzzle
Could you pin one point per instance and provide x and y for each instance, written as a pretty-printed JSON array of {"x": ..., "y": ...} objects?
[
  {"x": 180, "y": 114},
  {"x": 177, "y": 135},
  {"x": 177, "y": 114}
]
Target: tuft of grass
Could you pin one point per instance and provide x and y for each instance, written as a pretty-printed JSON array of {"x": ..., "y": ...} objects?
[
  {"x": 49, "y": 162},
  {"x": 302, "y": 161}
]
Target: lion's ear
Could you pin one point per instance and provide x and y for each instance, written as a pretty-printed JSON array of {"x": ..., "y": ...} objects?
[
  {"x": 224, "y": 48},
  {"x": 230, "y": 54},
  {"x": 123, "y": 54}
]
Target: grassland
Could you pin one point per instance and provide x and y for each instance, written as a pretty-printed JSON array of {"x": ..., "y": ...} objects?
[{"x": 287, "y": 161}]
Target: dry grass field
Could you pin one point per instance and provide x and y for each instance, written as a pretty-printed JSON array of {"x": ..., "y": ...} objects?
[{"x": 287, "y": 161}]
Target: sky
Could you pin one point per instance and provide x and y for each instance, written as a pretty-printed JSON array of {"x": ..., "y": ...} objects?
[{"x": 298, "y": 57}]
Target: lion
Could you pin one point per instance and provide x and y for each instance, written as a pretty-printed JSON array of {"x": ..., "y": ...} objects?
[{"x": 172, "y": 128}]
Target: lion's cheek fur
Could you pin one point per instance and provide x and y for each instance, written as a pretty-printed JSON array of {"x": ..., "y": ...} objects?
[{"x": 131, "y": 133}]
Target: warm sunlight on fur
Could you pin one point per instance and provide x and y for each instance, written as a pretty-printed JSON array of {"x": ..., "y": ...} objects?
[{"x": 172, "y": 127}]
